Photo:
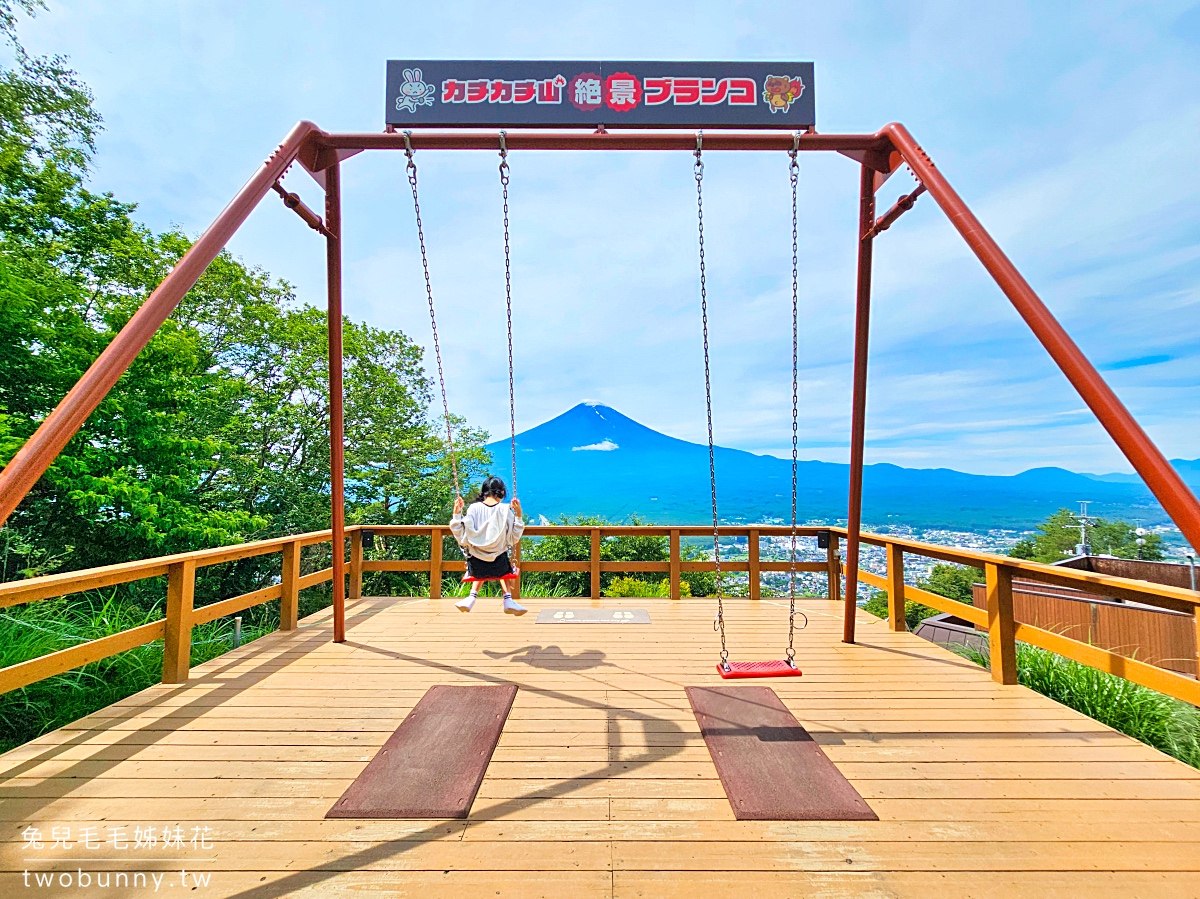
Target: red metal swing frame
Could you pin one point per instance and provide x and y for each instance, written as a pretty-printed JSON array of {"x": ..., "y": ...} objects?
[{"x": 321, "y": 154}]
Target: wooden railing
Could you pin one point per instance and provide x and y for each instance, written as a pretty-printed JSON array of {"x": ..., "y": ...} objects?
[
  {"x": 175, "y": 630},
  {"x": 1004, "y": 632},
  {"x": 674, "y": 567},
  {"x": 997, "y": 620}
]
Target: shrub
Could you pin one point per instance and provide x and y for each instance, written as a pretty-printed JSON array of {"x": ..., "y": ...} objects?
[
  {"x": 629, "y": 586},
  {"x": 952, "y": 581}
]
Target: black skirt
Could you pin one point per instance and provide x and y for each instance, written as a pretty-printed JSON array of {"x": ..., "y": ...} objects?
[{"x": 497, "y": 569}]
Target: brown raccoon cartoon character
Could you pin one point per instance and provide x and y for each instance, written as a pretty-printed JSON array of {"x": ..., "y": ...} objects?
[{"x": 781, "y": 91}]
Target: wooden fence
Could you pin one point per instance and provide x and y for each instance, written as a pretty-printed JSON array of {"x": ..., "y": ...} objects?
[
  {"x": 997, "y": 619},
  {"x": 1163, "y": 637},
  {"x": 434, "y": 565},
  {"x": 175, "y": 630},
  {"x": 1003, "y": 628}
]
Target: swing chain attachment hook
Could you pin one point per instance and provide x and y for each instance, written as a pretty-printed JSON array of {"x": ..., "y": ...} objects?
[
  {"x": 409, "y": 151},
  {"x": 719, "y": 626},
  {"x": 699, "y": 166}
]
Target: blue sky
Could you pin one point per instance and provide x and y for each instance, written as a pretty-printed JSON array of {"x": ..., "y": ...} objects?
[{"x": 1069, "y": 128}]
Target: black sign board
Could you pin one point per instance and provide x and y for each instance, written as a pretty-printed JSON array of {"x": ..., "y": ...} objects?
[{"x": 473, "y": 93}]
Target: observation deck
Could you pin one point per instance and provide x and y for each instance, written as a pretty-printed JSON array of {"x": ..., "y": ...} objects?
[{"x": 601, "y": 784}]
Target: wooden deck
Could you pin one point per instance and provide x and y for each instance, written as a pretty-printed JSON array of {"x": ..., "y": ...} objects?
[{"x": 601, "y": 785}]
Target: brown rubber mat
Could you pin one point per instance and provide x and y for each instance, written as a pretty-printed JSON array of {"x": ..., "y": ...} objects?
[
  {"x": 770, "y": 767},
  {"x": 431, "y": 767}
]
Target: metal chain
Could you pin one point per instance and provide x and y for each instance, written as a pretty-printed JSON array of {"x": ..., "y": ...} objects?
[
  {"x": 437, "y": 349},
  {"x": 794, "y": 176},
  {"x": 698, "y": 171},
  {"x": 512, "y": 401}
]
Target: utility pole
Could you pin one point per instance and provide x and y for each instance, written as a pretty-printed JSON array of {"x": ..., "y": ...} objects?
[{"x": 1082, "y": 548}]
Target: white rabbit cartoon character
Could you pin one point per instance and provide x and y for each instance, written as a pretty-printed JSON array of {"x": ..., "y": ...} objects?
[{"x": 414, "y": 91}]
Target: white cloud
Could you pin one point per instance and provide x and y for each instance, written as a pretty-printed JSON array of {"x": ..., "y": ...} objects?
[{"x": 604, "y": 446}]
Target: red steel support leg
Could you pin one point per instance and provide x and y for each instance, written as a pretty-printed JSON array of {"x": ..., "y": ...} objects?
[
  {"x": 858, "y": 422},
  {"x": 1147, "y": 460},
  {"x": 40, "y": 450},
  {"x": 337, "y": 497}
]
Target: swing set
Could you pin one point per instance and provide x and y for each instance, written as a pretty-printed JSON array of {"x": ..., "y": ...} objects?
[
  {"x": 688, "y": 107},
  {"x": 727, "y": 669}
]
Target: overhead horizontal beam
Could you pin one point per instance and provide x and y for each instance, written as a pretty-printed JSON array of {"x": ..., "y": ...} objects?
[{"x": 603, "y": 140}]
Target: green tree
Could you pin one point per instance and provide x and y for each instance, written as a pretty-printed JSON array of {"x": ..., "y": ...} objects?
[
  {"x": 952, "y": 581},
  {"x": 1058, "y": 535},
  {"x": 218, "y": 432}
]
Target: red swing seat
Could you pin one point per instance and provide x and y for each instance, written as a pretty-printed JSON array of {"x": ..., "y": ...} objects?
[
  {"x": 778, "y": 668},
  {"x": 513, "y": 576}
]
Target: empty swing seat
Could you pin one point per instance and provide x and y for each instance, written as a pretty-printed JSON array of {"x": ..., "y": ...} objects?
[{"x": 778, "y": 668}]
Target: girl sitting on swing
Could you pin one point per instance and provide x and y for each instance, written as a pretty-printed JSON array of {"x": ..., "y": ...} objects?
[{"x": 486, "y": 533}]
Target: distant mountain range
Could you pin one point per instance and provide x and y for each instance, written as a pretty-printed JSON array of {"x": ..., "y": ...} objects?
[{"x": 592, "y": 460}]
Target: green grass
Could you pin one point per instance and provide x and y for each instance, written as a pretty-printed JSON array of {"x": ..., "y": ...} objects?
[
  {"x": 38, "y": 629},
  {"x": 1144, "y": 714}
]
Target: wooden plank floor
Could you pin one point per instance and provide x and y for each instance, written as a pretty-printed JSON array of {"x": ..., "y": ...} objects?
[{"x": 601, "y": 785}]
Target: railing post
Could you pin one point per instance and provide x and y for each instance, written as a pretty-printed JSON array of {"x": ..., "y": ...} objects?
[
  {"x": 516, "y": 562},
  {"x": 595, "y": 563},
  {"x": 1196, "y": 619},
  {"x": 177, "y": 637},
  {"x": 356, "y": 564},
  {"x": 435, "y": 563},
  {"x": 895, "y": 576},
  {"x": 675, "y": 554},
  {"x": 752, "y": 555},
  {"x": 289, "y": 594},
  {"x": 1001, "y": 627},
  {"x": 835, "y": 569}
]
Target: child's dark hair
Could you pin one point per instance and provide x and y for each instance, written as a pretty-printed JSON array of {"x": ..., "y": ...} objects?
[{"x": 493, "y": 487}]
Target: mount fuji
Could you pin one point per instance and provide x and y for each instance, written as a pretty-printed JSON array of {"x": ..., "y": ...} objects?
[{"x": 592, "y": 460}]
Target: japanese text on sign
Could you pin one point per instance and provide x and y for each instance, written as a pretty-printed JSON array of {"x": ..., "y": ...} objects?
[{"x": 777, "y": 95}]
